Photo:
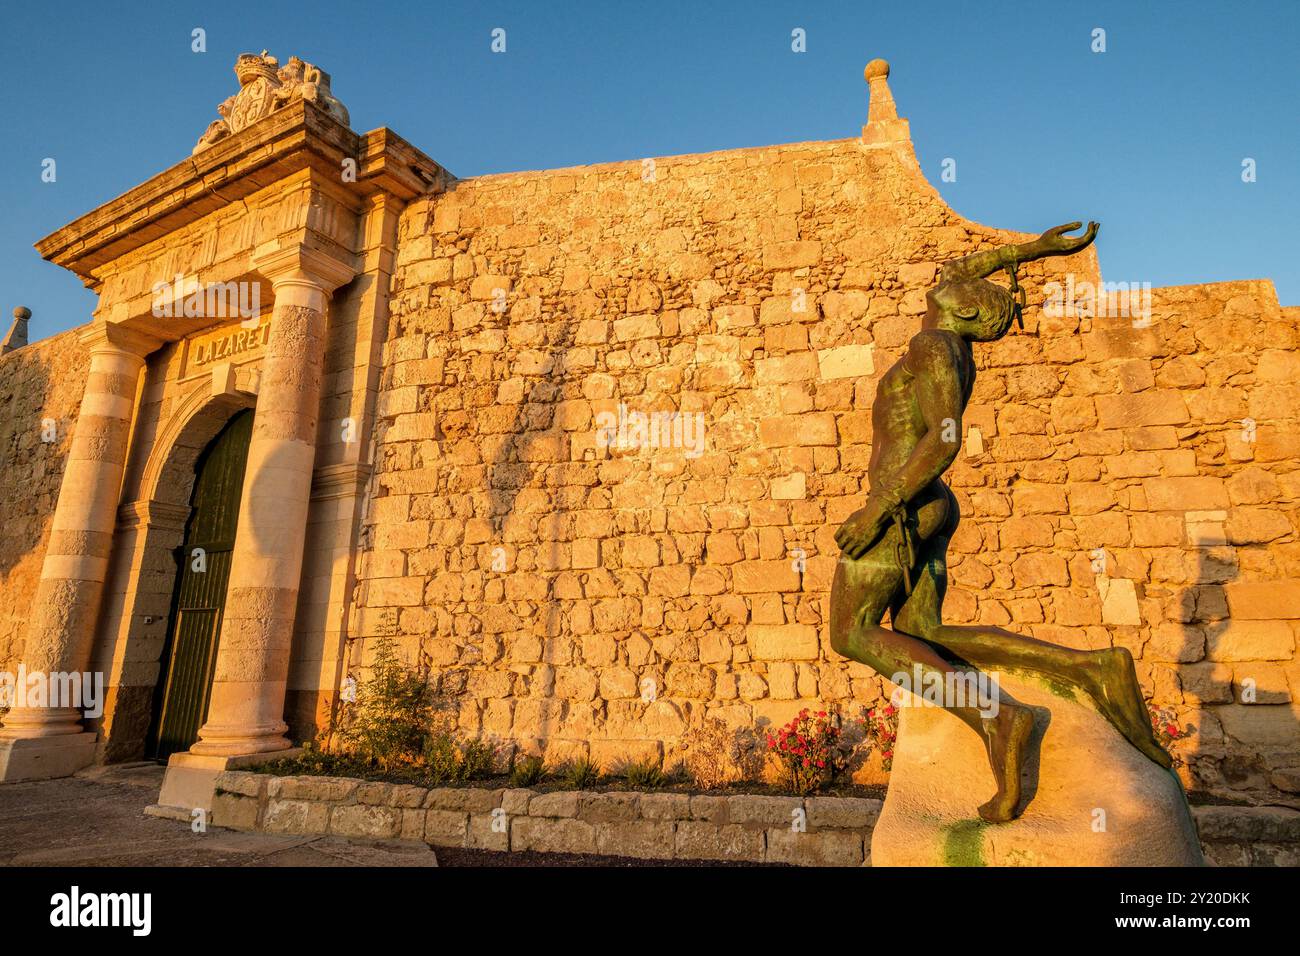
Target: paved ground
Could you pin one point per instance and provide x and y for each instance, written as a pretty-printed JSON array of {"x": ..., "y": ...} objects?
[{"x": 97, "y": 819}]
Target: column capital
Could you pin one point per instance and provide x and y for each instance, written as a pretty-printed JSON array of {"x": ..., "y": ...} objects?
[
  {"x": 302, "y": 265},
  {"x": 112, "y": 337}
]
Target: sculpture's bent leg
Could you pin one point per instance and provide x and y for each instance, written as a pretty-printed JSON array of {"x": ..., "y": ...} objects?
[
  {"x": 1107, "y": 676},
  {"x": 860, "y": 594}
]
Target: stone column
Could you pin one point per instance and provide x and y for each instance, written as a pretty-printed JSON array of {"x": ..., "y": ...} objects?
[
  {"x": 246, "y": 712},
  {"x": 50, "y": 741}
]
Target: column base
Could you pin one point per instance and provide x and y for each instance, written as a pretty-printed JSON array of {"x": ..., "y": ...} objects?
[
  {"x": 191, "y": 779},
  {"x": 45, "y": 758}
]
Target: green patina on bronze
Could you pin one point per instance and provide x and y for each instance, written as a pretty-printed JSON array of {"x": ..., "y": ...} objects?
[
  {"x": 893, "y": 550},
  {"x": 1053, "y": 685},
  {"x": 963, "y": 843}
]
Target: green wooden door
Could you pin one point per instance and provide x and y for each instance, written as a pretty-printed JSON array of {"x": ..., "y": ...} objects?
[{"x": 203, "y": 570}]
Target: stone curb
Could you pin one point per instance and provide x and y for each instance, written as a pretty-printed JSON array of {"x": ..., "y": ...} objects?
[{"x": 811, "y": 831}]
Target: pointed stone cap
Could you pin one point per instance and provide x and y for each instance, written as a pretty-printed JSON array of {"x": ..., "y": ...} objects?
[
  {"x": 883, "y": 125},
  {"x": 17, "y": 336}
]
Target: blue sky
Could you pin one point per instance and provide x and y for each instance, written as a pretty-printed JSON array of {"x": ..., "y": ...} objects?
[{"x": 1148, "y": 137}]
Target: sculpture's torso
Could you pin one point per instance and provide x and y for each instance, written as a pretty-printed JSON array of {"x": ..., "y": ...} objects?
[{"x": 898, "y": 426}]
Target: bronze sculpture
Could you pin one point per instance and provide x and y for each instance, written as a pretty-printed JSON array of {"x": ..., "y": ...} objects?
[{"x": 893, "y": 549}]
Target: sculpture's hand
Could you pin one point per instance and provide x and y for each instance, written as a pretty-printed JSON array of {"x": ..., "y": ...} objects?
[
  {"x": 1055, "y": 242},
  {"x": 860, "y": 531}
]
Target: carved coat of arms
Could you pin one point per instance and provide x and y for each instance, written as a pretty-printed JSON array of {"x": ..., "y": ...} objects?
[{"x": 264, "y": 87}]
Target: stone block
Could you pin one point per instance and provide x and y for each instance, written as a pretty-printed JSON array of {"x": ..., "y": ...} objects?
[
  {"x": 762, "y": 811},
  {"x": 842, "y": 813},
  {"x": 234, "y": 811},
  {"x": 701, "y": 840},
  {"x": 295, "y": 816},
  {"x": 664, "y": 806},
  {"x": 642, "y": 839},
  {"x": 360, "y": 820},
  {"x": 446, "y": 827},
  {"x": 1263, "y": 600},
  {"x": 608, "y": 807},
  {"x": 846, "y": 361},
  {"x": 823, "y": 848},
  {"x": 327, "y": 789},
  {"x": 551, "y": 835},
  {"x": 488, "y": 831},
  {"x": 783, "y": 642},
  {"x": 562, "y": 803}
]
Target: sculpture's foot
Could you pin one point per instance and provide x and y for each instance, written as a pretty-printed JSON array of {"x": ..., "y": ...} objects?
[
  {"x": 1006, "y": 737},
  {"x": 1117, "y": 691}
]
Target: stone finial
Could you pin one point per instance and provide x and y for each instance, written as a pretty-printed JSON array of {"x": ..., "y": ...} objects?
[
  {"x": 883, "y": 125},
  {"x": 264, "y": 87},
  {"x": 17, "y": 336}
]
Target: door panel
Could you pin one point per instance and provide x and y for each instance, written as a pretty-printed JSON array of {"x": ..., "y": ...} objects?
[{"x": 203, "y": 571}]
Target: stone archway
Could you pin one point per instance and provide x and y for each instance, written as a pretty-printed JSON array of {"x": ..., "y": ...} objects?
[{"x": 143, "y": 571}]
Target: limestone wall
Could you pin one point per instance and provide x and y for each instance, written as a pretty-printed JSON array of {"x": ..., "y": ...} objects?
[
  {"x": 40, "y": 392},
  {"x": 585, "y": 599},
  {"x": 553, "y": 583}
]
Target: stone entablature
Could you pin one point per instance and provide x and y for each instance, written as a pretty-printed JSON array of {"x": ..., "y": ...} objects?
[{"x": 288, "y": 179}]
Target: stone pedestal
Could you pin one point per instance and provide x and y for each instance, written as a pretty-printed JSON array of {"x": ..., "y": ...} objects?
[
  {"x": 44, "y": 758},
  {"x": 1094, "y": 799},
  {"x": 190, "y": 781}
]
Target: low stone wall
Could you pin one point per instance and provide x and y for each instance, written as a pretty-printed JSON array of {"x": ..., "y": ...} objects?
[{"x": 810, "y": 831}]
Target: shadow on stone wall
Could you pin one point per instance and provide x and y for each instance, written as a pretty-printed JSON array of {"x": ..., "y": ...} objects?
[
  {"x": 34, "y": 443},
  {"x": 534, "y": 422},
  {"x": 1209, "y": 677}
]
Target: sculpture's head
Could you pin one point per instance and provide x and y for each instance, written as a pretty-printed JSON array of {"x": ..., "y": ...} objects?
[{"x": 976, "y": 309}]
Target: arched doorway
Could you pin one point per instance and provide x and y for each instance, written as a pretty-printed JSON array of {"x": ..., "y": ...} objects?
[{"x": 199, "y": 597}]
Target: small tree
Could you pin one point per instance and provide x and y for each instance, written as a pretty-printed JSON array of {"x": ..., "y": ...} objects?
[{"x": 393, "y": 711}]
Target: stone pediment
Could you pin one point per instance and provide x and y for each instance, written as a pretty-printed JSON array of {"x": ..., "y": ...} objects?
[{"x": 264, "y": 87}]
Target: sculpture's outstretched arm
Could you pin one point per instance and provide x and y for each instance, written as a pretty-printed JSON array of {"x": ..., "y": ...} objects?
[{"x": 1053, "y": 242}]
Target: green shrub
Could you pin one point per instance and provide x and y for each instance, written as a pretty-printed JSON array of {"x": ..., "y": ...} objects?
[
  {"x": 644, "y": 775},
  {"x": 393, "y": 711},
  {"x": 580, "y": 774},
  {"x": 527, "y": 771},
  {"x": 477, "y": 760},
  {"x": 441, "y": 760},
  {"x": 447, "y": 760}
]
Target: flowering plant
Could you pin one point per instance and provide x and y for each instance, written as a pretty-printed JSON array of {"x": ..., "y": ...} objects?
[
  {"x": 1164, "y": 722},
  {"x": 811, "y": 750},
  {"x": 881, "y": 725}
]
